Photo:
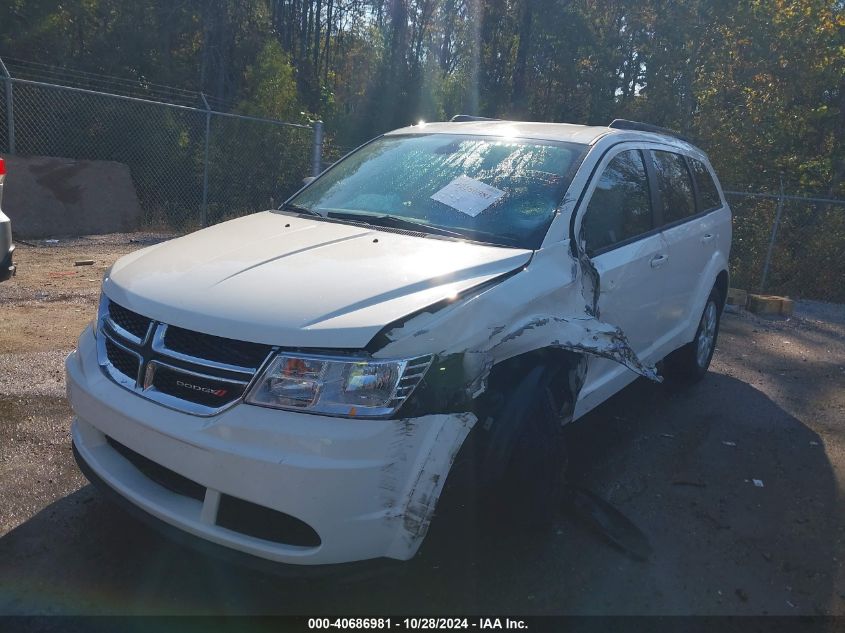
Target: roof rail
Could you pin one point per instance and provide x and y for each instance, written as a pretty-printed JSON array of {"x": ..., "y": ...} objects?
[
  {"x": 461, "y": 118},
  {"x": 625, "y": 124}
]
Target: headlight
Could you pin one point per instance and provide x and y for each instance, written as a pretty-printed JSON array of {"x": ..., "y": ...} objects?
[{"x": 351, "y": 387}]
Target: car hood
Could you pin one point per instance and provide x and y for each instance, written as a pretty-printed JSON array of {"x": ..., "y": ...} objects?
[{"x": 297, "y": 282}]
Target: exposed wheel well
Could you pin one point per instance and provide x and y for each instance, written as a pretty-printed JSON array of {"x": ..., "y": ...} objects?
[
  {"x": 721, "y": 286},
  {"x": 566, "y": 384}
]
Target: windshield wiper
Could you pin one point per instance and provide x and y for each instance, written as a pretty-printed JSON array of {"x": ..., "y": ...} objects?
[
  {"x": 289, "y": 206},
  {"x": 396, "y": 222}
]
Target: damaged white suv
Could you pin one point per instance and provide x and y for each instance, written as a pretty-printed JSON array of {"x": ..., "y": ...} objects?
[{"x": 298, "y": 384}]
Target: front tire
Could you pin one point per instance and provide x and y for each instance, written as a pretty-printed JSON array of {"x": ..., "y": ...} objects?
[
  {"x": 690, "y": 362},
  {"x": 510, "y": 471},
  {"x": 526, "y": 458}
]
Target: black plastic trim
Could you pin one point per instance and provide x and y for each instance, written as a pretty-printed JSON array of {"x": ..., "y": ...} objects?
[
  {"x": 626, "y": 124},
  {"x": 155, "y": 472},
  {"x": 252, "y": 519},
  {"x": 352, "y": 571},
  {"x": 656, "y": 198},
  {"x": 464, "y": 118}
]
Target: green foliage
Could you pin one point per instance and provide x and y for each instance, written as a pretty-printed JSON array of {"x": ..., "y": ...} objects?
[{"x": 271, "y": 83}]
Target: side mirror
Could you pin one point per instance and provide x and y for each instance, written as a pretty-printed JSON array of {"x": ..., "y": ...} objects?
[{"x": 308, "y": 180}]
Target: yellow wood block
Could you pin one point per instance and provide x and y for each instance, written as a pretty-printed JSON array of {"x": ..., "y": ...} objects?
[{"x": 769, "y": 304}]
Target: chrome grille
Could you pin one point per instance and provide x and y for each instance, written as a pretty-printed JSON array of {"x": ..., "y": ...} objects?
[
  {"x": 240, "y": 354},
  {"x": 213, "y": 391},
  {"x": 128, "y": 322},
  {"x": 123, "y": 361},
  {"x": 188, "y": 371}
]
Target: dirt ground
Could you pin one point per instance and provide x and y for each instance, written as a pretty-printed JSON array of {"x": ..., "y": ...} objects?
[{"x": 680, "y": 464}]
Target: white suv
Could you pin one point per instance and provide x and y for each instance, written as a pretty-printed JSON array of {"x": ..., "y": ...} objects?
[{"x": 298, "y": 384}]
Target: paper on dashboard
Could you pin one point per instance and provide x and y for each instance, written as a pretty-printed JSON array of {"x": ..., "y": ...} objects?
[{"x": 468, "y": 195}]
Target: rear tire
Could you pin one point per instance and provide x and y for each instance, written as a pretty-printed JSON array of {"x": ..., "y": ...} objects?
[{"x": 690, "y": 362}]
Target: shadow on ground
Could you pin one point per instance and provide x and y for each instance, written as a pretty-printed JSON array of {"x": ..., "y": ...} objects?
[{"x": 681, "y": 465}]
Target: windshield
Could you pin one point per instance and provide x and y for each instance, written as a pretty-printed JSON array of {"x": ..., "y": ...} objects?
[{"x": 489, "y": 189}]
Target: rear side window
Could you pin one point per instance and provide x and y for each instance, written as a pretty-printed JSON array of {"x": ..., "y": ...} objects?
[
  {"x": 708, "y": 195},
  {"x": 673, "y": 181},
  {"x": 620, "y": 207}
]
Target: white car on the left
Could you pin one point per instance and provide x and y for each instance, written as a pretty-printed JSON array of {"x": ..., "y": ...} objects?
[{"x": 7, "y": 249}]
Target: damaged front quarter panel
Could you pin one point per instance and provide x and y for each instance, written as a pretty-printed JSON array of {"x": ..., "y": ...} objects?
[
  {"x": 586, "y": 334},
  {"x": 547, "y": 305}
]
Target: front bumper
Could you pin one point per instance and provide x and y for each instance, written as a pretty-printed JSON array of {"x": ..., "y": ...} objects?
[
  {"x": 367, "y": 487},
  {"x": 7, "y": 265}
]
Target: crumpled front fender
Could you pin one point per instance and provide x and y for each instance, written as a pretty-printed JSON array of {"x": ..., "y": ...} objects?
[
  {"x": 549, "y": 304},
  {"x": 586, "y": 334}
]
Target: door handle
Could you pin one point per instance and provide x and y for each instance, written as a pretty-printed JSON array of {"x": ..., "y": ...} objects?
[
  {"x": 706, "y": 238},
  {"x": 658, "y": 260}
]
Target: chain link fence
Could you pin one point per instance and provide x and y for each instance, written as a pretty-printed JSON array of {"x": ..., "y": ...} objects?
[
  {"x": 791, "y": 245},
  {"x": 191, "y": 165},
  {"x": 195, "y": 165}
]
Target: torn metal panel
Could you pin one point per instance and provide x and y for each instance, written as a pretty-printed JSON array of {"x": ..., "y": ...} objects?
[
  {"x": 590, "y": 284},
  {"x": 551, "y": 304},
  {"x": 586, "y": 334},
  {"x": 540, "y": 307},
  {"x": 413, "y": 506}
]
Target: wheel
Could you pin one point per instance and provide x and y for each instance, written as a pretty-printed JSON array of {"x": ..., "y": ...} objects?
[
  {"x": 690, "y": 362},
  {"x": 510, "y": 471}
]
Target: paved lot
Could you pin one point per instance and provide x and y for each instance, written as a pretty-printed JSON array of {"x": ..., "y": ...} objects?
[{"x": 679, "y": 464}]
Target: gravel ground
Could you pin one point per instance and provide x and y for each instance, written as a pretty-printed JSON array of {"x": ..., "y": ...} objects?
[{"x": 680, "y": 464}]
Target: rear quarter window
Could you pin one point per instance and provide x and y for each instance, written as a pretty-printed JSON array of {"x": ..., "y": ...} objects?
[
  {"x": 675, "y": 186},
  {"x": 708, "y": 194}
]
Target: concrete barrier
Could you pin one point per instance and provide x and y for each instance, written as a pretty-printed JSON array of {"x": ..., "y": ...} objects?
[{"x": 55, "y": 197}]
